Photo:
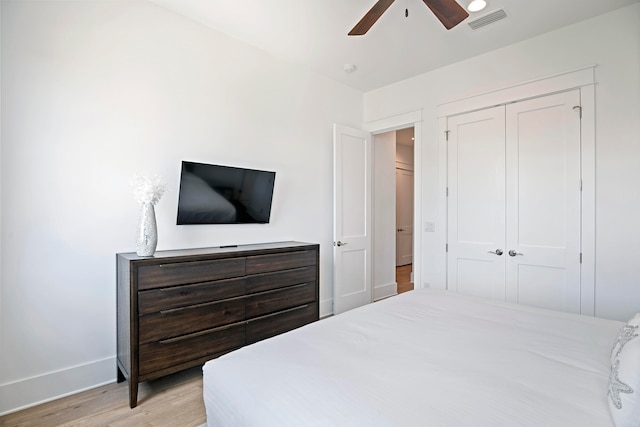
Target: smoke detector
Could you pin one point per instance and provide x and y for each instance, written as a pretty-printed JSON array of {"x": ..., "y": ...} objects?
[{"x": 349, "y": 68}]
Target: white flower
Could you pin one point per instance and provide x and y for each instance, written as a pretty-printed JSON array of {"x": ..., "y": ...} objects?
[{"x": 148, "y": 190}]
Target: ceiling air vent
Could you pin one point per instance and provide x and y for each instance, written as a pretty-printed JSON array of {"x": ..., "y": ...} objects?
[{"x": 488, "y": 19}]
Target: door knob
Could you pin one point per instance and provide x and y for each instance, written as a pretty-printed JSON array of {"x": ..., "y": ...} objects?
[
  {"x": 514, "y": 253},
  {"x": 340, "y": 243},
  {"x": 400, "y": 229},
  {"x": 497, "y": 252}
]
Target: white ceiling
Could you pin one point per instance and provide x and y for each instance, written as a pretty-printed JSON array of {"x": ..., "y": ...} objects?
[{"x": 313, "y": 33}]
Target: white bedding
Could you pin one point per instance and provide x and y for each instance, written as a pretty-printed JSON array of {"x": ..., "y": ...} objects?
[{"x": 422, "y": 358}]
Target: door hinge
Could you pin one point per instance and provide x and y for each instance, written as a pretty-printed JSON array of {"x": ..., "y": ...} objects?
[
  {"x": 580, "y": 257},
  {"x": 446, "y": 247},
  {"x": 447, "y": 191},
  {"x": 579, "y": 109},
  {"x": 580, "y": 185},
  {"x": 446, "y": 133}
]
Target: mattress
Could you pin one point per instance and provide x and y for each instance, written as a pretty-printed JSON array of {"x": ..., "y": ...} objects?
[{"x": 422, "y": 358}]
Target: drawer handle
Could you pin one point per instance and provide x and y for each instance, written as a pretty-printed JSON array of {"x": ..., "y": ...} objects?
[
  {"x": 299, "y": 307},
  {"x": 300, "y": 285},
  {"x": 190, "y": 263},
  {"x": 200, "y": 285},
  {"x": 196, "y": 334},
  {"x": 288, "y": 270},
  {"x": 204, "y": 304}
]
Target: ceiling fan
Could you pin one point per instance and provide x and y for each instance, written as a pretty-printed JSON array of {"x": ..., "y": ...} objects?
[{"x": 449, "y": 12}]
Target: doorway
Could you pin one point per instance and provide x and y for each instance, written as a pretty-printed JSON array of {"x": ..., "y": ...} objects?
[
  {"x": 376, "y": 277},
  {"x": 393, "y": 215},
  {"x": 404, "y": 208}
]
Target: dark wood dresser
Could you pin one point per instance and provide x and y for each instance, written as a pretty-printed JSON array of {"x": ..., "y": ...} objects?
[{"x": 180, "y": 308}]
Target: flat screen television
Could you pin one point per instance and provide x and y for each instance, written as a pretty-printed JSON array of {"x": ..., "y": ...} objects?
[{"x": 215, "y": 194}]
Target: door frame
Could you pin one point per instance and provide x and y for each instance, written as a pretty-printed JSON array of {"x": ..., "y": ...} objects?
[
  {"x": 401, "y": 170},
  {"x": 582, "y": 79},
  {"x": 396, "y": 122}
]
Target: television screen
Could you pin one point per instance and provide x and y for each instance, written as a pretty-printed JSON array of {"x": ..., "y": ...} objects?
[{"x": 214, "y": 194}]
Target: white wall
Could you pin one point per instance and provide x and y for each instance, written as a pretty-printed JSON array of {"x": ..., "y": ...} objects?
[
  {"x": 404, "y": 156},
  {"x": 612, "y": 42},
  {"x": 95, "y": 92}
]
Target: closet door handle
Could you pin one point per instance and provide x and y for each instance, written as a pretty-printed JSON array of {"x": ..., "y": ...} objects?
[
  {"x": 514, "y": 253},
  {"x": 497, "y": 252}
]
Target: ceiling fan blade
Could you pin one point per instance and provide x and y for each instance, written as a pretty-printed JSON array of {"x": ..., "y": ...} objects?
[
  {"x": 449, "y": 12},
  {"x": 371, "y": 17}
]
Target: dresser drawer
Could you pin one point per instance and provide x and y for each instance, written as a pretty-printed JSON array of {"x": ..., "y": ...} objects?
[
  {"x": 277, "y": 323},
  {"x": 282, "y": 261},
  {"x": 280, "y": 279},
  {"x": 280, "y": 299},
  {"x": 165, "y": 354},
  {"x": 155, "y": 300},
  {"x": 181, "y": 321},
  {"x": 183, "y": 307},
  {"x": 180, "y": 273}
]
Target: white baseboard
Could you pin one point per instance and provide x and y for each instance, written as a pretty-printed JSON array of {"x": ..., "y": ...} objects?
[
  {"x": 385, "y": 291},
  {"x": 326, "y": 308},
  {"x": 33, "y": 391}
]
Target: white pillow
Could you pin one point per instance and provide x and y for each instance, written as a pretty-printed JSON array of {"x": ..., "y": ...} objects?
[{"x": 624, "y": 379}]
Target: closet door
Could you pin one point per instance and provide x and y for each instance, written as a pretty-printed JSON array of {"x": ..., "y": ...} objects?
[
  {"x": 476, "y": 197},
  {"x": 543, "y": 202},
  {"x": 514, "y": 202}
]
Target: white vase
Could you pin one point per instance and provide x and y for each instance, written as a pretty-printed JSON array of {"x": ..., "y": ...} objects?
[{"x": 147, "y": 231}]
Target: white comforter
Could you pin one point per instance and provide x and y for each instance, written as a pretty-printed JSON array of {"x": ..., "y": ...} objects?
[{"x": 423, "y": 358}]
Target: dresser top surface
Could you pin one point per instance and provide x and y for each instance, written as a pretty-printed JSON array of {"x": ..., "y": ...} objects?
[{"x": 230, "y": 249}]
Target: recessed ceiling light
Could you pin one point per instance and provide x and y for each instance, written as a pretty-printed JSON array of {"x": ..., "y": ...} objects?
[{"x": 476, "y": 5}]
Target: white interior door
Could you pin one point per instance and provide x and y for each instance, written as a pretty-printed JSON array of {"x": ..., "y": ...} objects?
[
  {"x": 352, "y": 204},
  {"x": 543, "y": 202},
  {"x": 476, "y": 213},
  {"x": 404, "y": 217}
]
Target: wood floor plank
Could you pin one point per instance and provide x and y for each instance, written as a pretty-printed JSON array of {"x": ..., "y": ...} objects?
[
  {"x": 403, "y": 278},
  {"x": 175, "y": 400}
]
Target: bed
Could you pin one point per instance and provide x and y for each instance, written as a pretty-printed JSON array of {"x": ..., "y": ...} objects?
[{"x": 426, "y": 358}]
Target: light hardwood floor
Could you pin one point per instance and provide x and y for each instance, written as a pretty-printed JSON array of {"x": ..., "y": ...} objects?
[
  {"x": 175, "y": 400},
  {"x": 403, "y": 278}
]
